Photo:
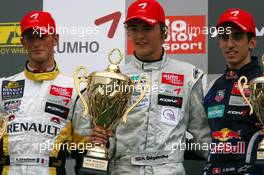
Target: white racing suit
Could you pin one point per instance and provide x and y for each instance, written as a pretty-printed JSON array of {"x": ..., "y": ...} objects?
[
  {"x": 153, "y": 140},
  {"x": 41, "y": 127}
]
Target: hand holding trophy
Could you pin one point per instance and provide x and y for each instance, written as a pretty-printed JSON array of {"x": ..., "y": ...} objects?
[
  {"x": 256, "y": 104},
  {"x": 108, "y": 93}
]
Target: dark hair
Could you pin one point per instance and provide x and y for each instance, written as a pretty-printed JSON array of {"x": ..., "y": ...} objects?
[{"x": 250, "y": 35}]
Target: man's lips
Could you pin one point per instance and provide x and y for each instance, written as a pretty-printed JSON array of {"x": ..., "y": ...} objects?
[
  {"x": 231, "y": 53},
  {"x": 141, "y": 43},
  {"x": 37, "y": 50}
]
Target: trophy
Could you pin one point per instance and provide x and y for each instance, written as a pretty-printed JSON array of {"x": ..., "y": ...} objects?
[
  {"x": 108, "y": 94},
  {"x": 256, "y": 103}
]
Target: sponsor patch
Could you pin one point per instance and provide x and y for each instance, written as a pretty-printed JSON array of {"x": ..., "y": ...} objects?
[
  {"x": 230, "y": 169},
  {"x": 238, "y": 113},
  {"x": 244, "y": 168},
  {"x": 30, "y": 161},
  {"x": 149, "y": 159},
  {"x": 216, "y": 111},
  {"x": 237, "y": 101},
  {"x": 219, "y": 96},
  {"x": 22, "y": 127},
  {"x": 166, "y": 100},
  {"x": 61, "y": 101},
  {"x": 137, "y": 92},
  {"x": 143, "y": 103},
  {"x": 57, "y": 110},
  {"x": 11, "y": 117},
  {"x": 12, "y": 89},
  {"x": 225, "y": 134},
  {"x": 172, "y": 79},
  {"x": 61, "y": 91},
  {"x": 235, "y": 90},
  {"x": 12, "y": 106},
  {"x": 55, "y": 120},
  {"x": 170, "y": 90},
  {"x": 171, "y": 116},
  {"x": 230, "y": 75},
  {"x": 136, "y": 77},
  {"x": 228, "y": 148},
  {"x": 216, "y": 171}
]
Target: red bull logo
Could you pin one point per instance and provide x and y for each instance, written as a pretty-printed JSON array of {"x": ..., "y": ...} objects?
[
  {"x": 228, "y": 148},
  {"x": 226, "y": 134}
]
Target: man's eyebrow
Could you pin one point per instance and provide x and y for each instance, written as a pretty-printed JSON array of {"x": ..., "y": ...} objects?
[
  {"x": 146, "y": 25},
  {"x": 237, "y": 32}
]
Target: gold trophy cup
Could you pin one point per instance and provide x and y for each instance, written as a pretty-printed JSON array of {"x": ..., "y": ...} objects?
[
  {"x": 255, "y": 102},
  {"x": 107, "y": 98}
]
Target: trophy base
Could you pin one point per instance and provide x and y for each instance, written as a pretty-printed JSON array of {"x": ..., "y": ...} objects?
[
  {"x": 94, "y": 166},
  {"x": 260, "y": 151},
  {"x": 259, "y": 163}
]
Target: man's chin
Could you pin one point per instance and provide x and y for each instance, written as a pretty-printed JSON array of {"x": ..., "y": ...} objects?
[{"x": 39, "y": 59}]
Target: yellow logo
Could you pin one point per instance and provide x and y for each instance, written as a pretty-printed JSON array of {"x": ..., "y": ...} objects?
[
  {"x": 10, "y": 34},
  {"x": 12, "y": 84}
]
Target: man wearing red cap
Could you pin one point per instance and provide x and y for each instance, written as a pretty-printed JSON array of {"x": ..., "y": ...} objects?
[
  {"x": 232, "y": 126},
  {"x": 152, "y": 141},
  {"x": 38, "y": 106}
]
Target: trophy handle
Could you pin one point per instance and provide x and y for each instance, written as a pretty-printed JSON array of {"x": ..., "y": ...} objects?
[
  {"x": 77, "y": 81},
  {"x": 142, "y": 95},
  {"x": 3, "y": 124},
  {"x": 110, "y": 56},
  {"x": 241, "y": 89}
]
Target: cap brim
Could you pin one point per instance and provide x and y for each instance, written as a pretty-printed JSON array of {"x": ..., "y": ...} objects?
[
  {"x": 241, "y": 27},
  {"x": 147, "y": 19},
  {"x": 35, "y": 27}
]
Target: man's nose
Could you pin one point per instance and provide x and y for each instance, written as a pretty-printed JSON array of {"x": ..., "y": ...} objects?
[
  {"x": 230, "y": 41},
  {"x": 140, "y": 33}
]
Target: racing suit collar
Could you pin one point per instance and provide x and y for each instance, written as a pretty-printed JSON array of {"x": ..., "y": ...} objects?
[
  {"x": 150, "y": 65},
  {"x": 234, "y": 74},
  {"x": 41, "y": 76}
]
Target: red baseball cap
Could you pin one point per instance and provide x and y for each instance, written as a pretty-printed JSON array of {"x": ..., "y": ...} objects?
[
  {"x": 149, "y": 11},
  {"x": 38, "y": 20},
  {"x": 241, "y": 18}
]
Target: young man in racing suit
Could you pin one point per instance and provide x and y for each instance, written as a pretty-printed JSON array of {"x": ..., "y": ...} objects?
[
  {"x": 231, "y": 124},
  {"x": 151, "y": 142},
  {"x": 38, "y": 106}
]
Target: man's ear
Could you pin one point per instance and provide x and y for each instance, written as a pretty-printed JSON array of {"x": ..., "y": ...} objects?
[
  {"x": 164, "y": 32},
  {"x": 252, "y": 43},
  {"x": 55, "y": 39},
  {"x": 22, "y": 41}
]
